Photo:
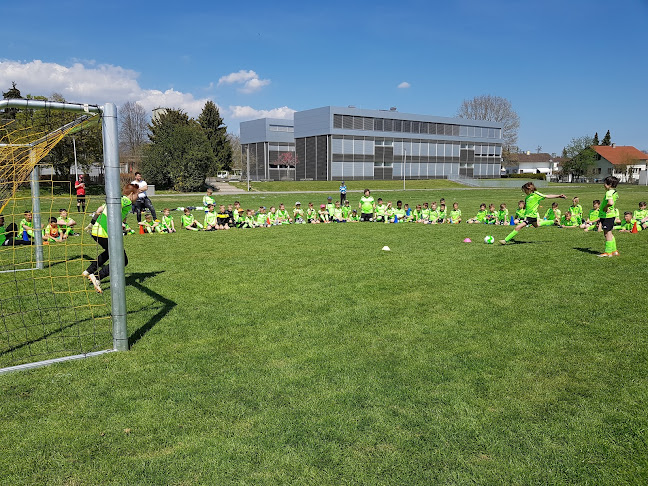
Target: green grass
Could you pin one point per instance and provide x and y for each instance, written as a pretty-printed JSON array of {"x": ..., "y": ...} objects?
[{"x": 305, "y": 354}]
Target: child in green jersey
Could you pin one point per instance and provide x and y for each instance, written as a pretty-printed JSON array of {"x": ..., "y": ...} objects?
[
  {"x": 167, "y": 225},
  {"x": 65, "y": 223},
  {"x": 52, "y": 232},
  {"x": 607, "y": 215},
  {"x": 26, "y": 226},
  {"x": 210, "y": 219},
  {"x": 491, "y": 215},
  {"x": 593, "y": 217},
  {"x": 311, "y": 214},
  {"x": 417, "y": 214},
  {"x": 443, "y": 214},
  {"x": 577, "y": 210},
  {"x": 298, "y": 214},
  {"x": 519, "y": 213},
  {"x": 425, "y": 212},
  {"x": 502, "y": 216},
  {"x": 282, "y": 215},
  {"x": 381, "y": 211},
  {"x": 188, "y": 222},
  {"x": 531, "y": 203},
  {"x": 455, "y": 214},
  {"x": 323, "y": 214},
  {"x": 330, "y": 206},
  {"x": 641, "y": 215},
  {"x": 337, "y": 213},
  {"x": 262, "y": 219},
  {"x": 628, "y": 224},
  {"x": 481, "y": 215},
  {"x": 568, "y": 221},
  {"x": 553, "y": 214},
  {"x": 208, "y": 199},
  {"x": 149, "y": 225},
  {"x": 354, "y": 217},
  {"x": 346, "y": 209},
  {"x": 398, "y": 213},
  {"x": 249, "y": 221}
]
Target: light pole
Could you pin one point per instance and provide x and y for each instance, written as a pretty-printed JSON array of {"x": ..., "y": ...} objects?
[{"x": 404, "y": 162}]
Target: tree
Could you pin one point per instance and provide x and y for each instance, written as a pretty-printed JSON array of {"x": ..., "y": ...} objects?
[
  {"x": 607, "y": 140},
  {"x": 579, "y": 155},
  {"x": 596, "y": 140},
  {"x": 212, "y": 124},
  {"x": 11, "y": 94},
  {"x": 496, "y": 109},
  {"x": 133, "y": 129},
  {"x": 179, "y": 154},
  {"x": 235, "y": 144}
]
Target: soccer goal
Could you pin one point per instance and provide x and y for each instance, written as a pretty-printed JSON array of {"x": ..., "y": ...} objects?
[{"x": 48, "y": 312}]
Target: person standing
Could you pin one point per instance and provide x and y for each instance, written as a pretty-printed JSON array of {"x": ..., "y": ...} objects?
[
  {"x": 366, "y": 206},
  {"x": 343, "y": 190},
  {"x": 79, "y": 185},
  {"x": 142, "y": 199}
]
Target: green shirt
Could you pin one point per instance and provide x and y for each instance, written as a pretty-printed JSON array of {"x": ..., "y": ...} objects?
[
  {"x": 532, "y": 203},
  {"x": 187, "y": 220},
  {"x": 167, "y": 222},
  {"x": 576, "y": 211},
  {"x": 502, "y": 215},
  {"x": 324, "y": 215},
  {"x": 210, "y": 218},
  {"x": 311, "y": 213},
  {"x": 553, "y": 214},
  {"x": 272, "y": 217},
  {"x": 433, "y": 214},
  {"x": 594, "y": 215},
  {"x": 425, "y": 213},
  {"x": 100, "y": 228},
  {"x": 519, "y": 214},
  {"x": 610, "y": 212},
  {"x": 262, "y": 218},
  {"x": 367, "y": 204},
  {"x": 400, "y": 213},
  {"x": 207, "y": 200},
  {"x": 282, "y": 215},
  {"x": 354, "y": 218},
  {"x": 298, "y": 213},
  {"x": 381, "y": 210},
  {"x": 571, "y": 222},
  {"x": 628, "y": 226},
  {"x": 337, "y": 213},
  {"x": 455, "y": 215},
  {"x": 640, "y": 214},
  {"x": 443, "y": 214},
  {"x": 481, "y": 215},
  {"x": 346, "y": 210}
]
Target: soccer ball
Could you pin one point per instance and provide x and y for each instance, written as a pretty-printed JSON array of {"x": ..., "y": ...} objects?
[{"x": 489, "y": 240}]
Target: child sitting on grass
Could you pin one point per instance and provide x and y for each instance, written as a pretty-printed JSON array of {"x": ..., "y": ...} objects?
[
  {"x": 324, "y": 215},
  {"x": 641, "y": 215},
  {"x": 628, "y": 224},
  {"x": 282, "y": 215},
  {"x": 443, "y": 214},
  {"x": 576, "y": 210},
  {"x": 568, "y": 221},
  {"x": 354, "y": 217},
  {"x": 553, "y": 214},
  {"x": 222, "y": 218},
  {"x": 519, "y": 213},
  {"x": 480, "y": 218},
  {"x": 249, "y": 220},
  {"x": 167, "y": 225},
  {"x": 593, "y": 217},
  {"x": 65, "y": 223},
  {"x": 491, "y": 215},
  {"x": 311, "y": 214},
  {"x": 188, "y": 222},
  {"x": 502, "y": 216},
  {"x": 455, "y": 214},
  {"x": 298, "y": 214},
  {"x": 210, "y": 219},
  {"x": 52, "y": 233},
  {"x": 151, "y": 226}
]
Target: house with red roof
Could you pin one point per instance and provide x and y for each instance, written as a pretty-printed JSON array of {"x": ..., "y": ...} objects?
[{"x": 625, "y": 162}]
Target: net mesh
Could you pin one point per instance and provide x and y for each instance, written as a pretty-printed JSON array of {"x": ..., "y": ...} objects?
[{"x": 50, "y": 312}]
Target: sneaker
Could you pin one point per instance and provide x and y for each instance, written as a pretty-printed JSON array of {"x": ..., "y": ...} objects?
[
  {"x": 605, "y": 254},
  {"x": 502, "y": 242},
  {"x": 614, "y": 253},
  {"x": 94, "y": 280}
]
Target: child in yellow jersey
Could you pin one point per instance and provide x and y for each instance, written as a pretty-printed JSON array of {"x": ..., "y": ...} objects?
[
  {"x": 593, "y": 219},
  {"x": 607, "y": 215},
  {"x": 519, "y": 213}
]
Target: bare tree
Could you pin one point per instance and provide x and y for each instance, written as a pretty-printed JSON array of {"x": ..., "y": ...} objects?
[
  {"x": 235, "y": 143},
  {"x": 496, "y": 109},
  {"x": 133, "y": 128}
]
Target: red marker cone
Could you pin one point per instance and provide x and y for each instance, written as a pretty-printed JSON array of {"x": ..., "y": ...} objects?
[
  {"x": 634, "y": 228},
  {"x": 142, "y": 232}
]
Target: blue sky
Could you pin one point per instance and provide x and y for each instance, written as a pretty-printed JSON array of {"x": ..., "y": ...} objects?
[{"x": 569, "y": 68}]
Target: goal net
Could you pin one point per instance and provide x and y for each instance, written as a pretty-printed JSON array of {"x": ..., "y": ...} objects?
[{"x": 48, "y": 312}]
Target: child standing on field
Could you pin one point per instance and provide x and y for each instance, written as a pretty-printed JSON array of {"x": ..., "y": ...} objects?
[
  {"x": 607, "y": 215},
  {"x": 531, "y": 203}
]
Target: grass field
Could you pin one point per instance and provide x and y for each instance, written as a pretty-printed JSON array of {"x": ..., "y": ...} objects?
[{"x": 304, "y": 354}]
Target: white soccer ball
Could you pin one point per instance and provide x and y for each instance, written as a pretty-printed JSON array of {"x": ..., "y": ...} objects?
[{"x": 489, "y": 240}]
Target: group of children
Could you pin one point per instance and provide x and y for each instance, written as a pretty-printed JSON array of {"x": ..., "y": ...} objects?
[{"x": 57, "y": 229}]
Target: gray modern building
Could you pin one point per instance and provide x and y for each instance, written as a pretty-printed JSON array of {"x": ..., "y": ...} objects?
[
  {"x": 269, "y": 146},
  {"x": 334, "y": 143}
]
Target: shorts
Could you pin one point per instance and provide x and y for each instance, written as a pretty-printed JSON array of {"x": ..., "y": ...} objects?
[
  {"x": 366, "y": 216},
  {"x": 531, "y": 221},
  {"x": 607, "y": 223},
  {"x": 81, "y": 198}
]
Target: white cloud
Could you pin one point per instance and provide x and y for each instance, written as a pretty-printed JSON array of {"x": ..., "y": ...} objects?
[
  {"x": 96, "y": 84},
  {"x": 248, "y": 79},
  {"x": 249, "y": 113},
  {"x": 404, "y": 85}
]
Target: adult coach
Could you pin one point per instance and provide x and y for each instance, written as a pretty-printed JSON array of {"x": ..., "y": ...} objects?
[
  {"x": 366, "y": 206},
  {"x": 100, "y": 235},
  {"x": 142, "y": 199},
  {"x": 79, "y": 185}
]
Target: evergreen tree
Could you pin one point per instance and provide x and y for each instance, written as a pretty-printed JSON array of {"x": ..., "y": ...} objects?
[
  {"x": 596, "y": 140},
  {"x": 607, "y": 140},
  {"x": 179, "y": 153},
  {"x": 212, "y": 124},
  {"x": 12, "y": 93}
]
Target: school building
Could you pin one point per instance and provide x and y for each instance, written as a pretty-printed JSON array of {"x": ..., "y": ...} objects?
[{"x": 335, "y": 143}]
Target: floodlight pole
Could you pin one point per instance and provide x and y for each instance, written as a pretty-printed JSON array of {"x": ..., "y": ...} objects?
[
  {"x": 115, "y": 234},
  {"x": 36, "y": 215},
  {"x": 248, "y": 167}
]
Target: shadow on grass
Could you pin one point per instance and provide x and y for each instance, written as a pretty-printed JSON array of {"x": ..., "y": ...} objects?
[
  {"x": 135, "y": 280},
  {"x": 72, "y": 259},
  {"x": 587, "y": 250}
]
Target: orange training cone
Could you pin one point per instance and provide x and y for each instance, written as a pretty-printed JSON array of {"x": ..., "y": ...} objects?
[
  {"x": 634, "y": 228},
  {"x": 142, "y": 232}
]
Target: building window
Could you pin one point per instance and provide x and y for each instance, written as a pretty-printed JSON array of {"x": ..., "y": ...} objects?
[{"x": 281, "y": 128}]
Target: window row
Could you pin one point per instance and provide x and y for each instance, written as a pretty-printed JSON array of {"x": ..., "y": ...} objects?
[
  {"x": 352, "y": 122},
  {"x": 281, "y": 128}
]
